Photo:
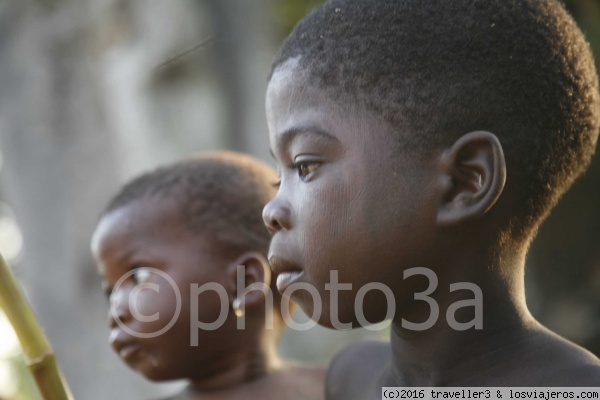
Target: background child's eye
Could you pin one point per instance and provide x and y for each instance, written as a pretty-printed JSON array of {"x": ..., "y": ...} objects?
[
  {"x": 112, "y": 297},
  {"x": 141, "y": 274},
  {"x": 108, "y": 293}
]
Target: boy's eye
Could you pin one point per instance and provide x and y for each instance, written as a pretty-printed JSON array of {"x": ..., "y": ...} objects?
[
  {"x": 277, "y": 184},
  {"x": 141, "y": 275},
  {"x": 305, "y": 168}
]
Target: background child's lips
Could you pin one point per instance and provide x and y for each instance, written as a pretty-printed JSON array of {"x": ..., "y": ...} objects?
[
  {"x": 129, "y": 350},
  {"x": 123, "y": 344}
]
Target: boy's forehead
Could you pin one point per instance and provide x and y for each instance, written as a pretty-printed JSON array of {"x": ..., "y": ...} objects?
[
  {"x": 287, "y": 70},
  {"x": 295, "y": 103},
  {"x": 292, "y": 99}
]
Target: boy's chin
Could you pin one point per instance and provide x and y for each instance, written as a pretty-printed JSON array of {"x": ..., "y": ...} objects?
[
  {"x": 343, "y": 315},
  {"x": 342, "y": 320}
]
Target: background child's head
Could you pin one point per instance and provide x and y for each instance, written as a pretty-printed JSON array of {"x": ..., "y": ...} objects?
[
  {"x": 217, "y": 196},
  {"x": 192, "y": 222},
  {"x": 436, "y": 70}
]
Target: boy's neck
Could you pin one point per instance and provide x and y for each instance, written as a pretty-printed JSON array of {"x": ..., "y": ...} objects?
[{"x": 442, "y": 355}]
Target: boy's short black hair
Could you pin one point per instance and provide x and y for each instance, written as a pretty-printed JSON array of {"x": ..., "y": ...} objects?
[
  {"x": 220, "y": 196},
  {"x": 437, "y": 69}
]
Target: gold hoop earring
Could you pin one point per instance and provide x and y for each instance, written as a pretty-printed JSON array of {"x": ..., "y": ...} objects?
[{"x": 238, "y": 308}]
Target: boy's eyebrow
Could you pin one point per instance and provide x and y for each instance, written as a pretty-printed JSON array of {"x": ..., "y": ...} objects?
[{"x": 289, "y": 135}]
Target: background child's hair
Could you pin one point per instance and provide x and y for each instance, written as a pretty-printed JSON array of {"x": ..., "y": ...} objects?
[
  {"x": 220, "y": 195},
  {"x": 437, "y": 69}
]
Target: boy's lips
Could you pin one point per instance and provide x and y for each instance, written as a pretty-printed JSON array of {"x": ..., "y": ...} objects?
[
  {"x": 288, "y": 272},
  {"x": 287, "y": 278}
]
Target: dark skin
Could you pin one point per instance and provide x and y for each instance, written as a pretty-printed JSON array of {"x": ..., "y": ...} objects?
[
  {"x": 349, "y": 201},
  {"x": 228, "y": 363}
]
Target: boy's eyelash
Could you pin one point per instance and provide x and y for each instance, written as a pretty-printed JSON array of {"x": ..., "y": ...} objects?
[{"x": 298, "y": 166}]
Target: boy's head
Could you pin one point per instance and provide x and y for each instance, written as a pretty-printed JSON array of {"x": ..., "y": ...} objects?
[
  {"x": 192, "y": 222},
  {"x": 429, "y": 107},
  {"x": 436, "y": 70}
]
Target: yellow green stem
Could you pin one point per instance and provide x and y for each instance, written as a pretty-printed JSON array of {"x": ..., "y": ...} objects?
[{"x": 38, "y": 353}]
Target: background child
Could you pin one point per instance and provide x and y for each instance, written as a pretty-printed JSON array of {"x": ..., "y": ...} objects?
[
  {"x": 421, "y": 144},
  {"x": 190, "y": 223}
]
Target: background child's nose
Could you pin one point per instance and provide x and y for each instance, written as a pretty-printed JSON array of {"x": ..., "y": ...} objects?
[{"x": 119, "y": 309}]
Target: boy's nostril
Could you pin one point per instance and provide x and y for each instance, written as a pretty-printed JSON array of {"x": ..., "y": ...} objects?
[
  {"x": 275, "y": 218},
  {"x": 273, "y": 227}
]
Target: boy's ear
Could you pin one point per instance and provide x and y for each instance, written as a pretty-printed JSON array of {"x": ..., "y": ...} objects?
[
  {"x": 474, "y": 175},
  {"x": 250, "y": 277}
]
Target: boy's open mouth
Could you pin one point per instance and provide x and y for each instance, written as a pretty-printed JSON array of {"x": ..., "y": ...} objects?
[
  {"x": 287, "y": 272},
  {"x": 285, "y": 279}
]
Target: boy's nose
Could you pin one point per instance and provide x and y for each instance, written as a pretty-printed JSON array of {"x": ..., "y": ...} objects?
[{"x": 276, "y": 216}]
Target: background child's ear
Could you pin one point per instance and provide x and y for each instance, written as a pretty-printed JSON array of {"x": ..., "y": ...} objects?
[
  {"x": 250, "y": 278},
  {"x": 474, "y": 175}
]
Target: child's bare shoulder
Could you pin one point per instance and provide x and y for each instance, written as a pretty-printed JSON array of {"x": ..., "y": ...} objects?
[
  {"x": 304, "y": 374},
  {"x": 292, "y": 381},
  {"x": 299, "y": 381},
  {"x": 355, "y": 372}
]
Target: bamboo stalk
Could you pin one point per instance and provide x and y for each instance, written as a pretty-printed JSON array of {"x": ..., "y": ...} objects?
[{"x": 38, "y": 353}]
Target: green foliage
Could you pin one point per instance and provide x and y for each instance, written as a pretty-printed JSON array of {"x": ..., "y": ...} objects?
[
  {"x": 286, "y": 13},
  {"x": 587, "y": 14}
]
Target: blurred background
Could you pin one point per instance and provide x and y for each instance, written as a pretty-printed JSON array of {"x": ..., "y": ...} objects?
[{"x": 86, "y": 103}]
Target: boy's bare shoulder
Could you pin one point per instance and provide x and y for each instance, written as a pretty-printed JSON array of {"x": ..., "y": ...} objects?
[
  {"x": 547, "y": 359},
  {"x": 569, "y": 364},
  {"x": 358, "y": 371}
]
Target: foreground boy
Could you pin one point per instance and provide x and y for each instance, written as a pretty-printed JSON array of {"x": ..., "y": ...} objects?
[
  {"x": 192, "y": 223},
  {"x": 420, "y": 146}
]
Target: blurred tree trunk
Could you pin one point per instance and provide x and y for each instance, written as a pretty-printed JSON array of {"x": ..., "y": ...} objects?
[
  {"x": 60, "y": 165},
  {"x": 244, "y": 52},
  {"x": 83, "y": 108}
]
